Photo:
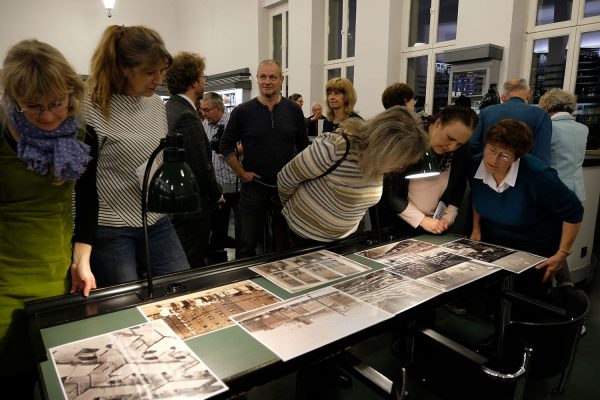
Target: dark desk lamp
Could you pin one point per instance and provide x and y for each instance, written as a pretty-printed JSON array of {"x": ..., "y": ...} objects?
[
  {"x": 425, "y": 168},
  {"x": 173, "y": 189}
]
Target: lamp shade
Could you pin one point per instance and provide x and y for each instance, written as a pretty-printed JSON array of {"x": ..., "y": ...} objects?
[
  {"x": 109, "y": 3},
  {"x": 173, "y": 189},
  {"x": 425, "y": 168}
]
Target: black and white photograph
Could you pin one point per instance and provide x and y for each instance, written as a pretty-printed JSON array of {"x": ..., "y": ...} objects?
[
  {"x": 426, "y": 266},
  {"x": 197, "y": 313},
  {"x": 513, "y": 260},
  {"x": 147, "y": 361},
  {"x": 477, "y": 250},
  {"x": 518, "y": 261},
  {"x": 389, "y": 292},
  {"x": 309, "y": 270},
  {"x": 458, "y": 275},
  {"x": 388, "y": 251},
  {"x": 296, "y": 326}
]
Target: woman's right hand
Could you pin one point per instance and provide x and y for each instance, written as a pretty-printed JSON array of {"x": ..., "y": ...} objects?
[
  {"x": 475, "y": 235},
  {"x": 431, "y": 225}
]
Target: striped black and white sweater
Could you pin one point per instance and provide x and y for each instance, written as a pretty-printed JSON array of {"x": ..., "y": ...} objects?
[{"x": 125, "y": 141}]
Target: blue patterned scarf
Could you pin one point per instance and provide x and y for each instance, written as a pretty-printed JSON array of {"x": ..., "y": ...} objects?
[{"x": 59, "y": 149}]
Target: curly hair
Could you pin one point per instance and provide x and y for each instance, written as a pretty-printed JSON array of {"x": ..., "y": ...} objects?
[
  {"x": 186, "y": 69},
  {"x": 512, "y": 134},
  {"x": 556, "y": 100}
]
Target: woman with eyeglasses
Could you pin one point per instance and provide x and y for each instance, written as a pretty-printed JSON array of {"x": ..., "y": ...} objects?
[
  {"x": 128, "y": 120},
  {"x": 41, "y": 158},
  {"x": 520, "y": 202}
]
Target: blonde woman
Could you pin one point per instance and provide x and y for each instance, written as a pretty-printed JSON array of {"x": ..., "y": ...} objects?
[
  {"x": 128, "y": 119},
  {"x": 330, "y": 207},
  {"x": 41, "y": 157},
  {"x": 341, "y": 99}
]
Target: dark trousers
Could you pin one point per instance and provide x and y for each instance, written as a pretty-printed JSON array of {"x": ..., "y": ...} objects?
[
  {"x": 256, "y": 210},
  {"x": 219, "y": 238},
  {"x": 193, "y": 233}
]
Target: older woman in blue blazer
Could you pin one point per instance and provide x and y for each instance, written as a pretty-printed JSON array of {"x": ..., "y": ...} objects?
[{"x": 569, "y": 139}]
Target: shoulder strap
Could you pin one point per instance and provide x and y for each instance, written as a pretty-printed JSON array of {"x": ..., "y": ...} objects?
[{"x": 338, "y": 162}]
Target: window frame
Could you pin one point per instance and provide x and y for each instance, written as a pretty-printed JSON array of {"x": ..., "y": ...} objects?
[
  {"x": 433, "y": 29},
  {"x": 344, "y": 62}
]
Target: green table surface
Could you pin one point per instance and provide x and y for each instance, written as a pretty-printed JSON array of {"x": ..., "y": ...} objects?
[{"x": 228, "y": 352}]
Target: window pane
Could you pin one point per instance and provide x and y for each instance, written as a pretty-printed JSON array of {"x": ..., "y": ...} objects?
[
  {"x": 350, "y": 73},
  {"x": 448, "y": 14},
  {"x": 417, "y": 79},
  {"x": 334, "y": 73},
  {"x": 440, "y": 84},
  {"x": 351, "y": 27},
  {"x": 550, "y": 11},
  {"x": 548, "y": 65},
  {"x": 419, "y": 22},
  {"x": 277, "y": 38},
  {"x": 334, "y": 37},
  {"x": 287, "y": 41},
  {"x": 592, "y": 8},
  {"x": 587, "y": 86}
]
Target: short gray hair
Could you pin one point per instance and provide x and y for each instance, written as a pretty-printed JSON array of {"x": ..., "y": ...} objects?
[
  {"x": 556, "y": 100},
  {"x": 515, "y": 85},
  {"x": 214, "y": 98}
]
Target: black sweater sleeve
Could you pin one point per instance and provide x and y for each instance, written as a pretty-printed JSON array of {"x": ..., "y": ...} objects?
[
  {"x": 457, "y": 181},
  {"x": 86, "y": 195}
]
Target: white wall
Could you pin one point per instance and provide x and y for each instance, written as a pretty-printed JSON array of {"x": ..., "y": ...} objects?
[{"x": 75, "y": 26}]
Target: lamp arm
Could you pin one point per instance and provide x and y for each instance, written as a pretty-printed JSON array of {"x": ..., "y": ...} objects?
[{"x": 162, "y": 145}]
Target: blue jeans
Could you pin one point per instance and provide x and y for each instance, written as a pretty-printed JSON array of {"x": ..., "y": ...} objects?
[{"x": 118, "y": 253}]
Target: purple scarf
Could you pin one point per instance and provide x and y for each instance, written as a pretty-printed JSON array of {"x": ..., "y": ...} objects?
[{"x": 59, "y": 149}]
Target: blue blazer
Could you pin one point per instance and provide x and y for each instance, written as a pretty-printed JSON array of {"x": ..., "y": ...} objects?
[
  {"x": 537, "y": 119},
  {"x": 569, "y": 139}
]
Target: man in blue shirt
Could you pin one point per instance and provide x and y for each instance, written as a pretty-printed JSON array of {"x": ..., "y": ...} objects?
[{"x": 515, "y": 96}]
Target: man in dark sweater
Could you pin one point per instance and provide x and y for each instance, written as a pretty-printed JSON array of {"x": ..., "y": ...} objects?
[{"x": 272, "y": 131}]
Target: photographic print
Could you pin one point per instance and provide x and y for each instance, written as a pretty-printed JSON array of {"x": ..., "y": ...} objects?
[
  {"x": 458, "y": 275},
  {"x": 296, "y": 326},
  {"x": 388, "y": 251},
  {"x": 201, "y": 312},
  {"x": 426, "y": 266},
  {"x": 389, "y": 292},
  {"x": 513, "y": 260},
  {"x": 147, "y": 361},
  {"x": 309, "y": 270},
  {"x": 518, "y": 261},
  {"x": 478, "y": 250}
]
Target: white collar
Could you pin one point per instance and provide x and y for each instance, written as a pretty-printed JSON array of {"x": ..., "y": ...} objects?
[
  {"x": 509, "y": 180},
  {"x": 560, "y": 114},
  {"x": 188, "y": 99}
]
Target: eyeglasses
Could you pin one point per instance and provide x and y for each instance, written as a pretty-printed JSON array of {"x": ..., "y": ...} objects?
[
  {"x": 35, "y": 110},
  {"x": 502, "y": 156},
  {"x": 205, "y": 110},
  {"x": 204, "y": 77}
]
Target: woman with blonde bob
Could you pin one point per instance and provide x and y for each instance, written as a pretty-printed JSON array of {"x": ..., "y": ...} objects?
[
  {"x": 323, "y": 205},
  {"x": 128, "y": 119},
  {"x": 341, "y": 99},
  {"x": 41, "y": 158}
]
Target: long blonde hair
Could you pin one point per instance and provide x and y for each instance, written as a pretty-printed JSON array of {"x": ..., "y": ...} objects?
[
  {"x": 34, "y": 71},
  {"x": 122, "y": 47},
  {"x": 392, "y": 137}
]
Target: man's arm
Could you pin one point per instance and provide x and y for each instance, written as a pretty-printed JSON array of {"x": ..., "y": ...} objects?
[{"x": 198, "y": 155}]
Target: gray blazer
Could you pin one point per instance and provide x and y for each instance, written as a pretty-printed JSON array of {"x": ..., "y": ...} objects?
[{"x": 567, "y": 152}]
